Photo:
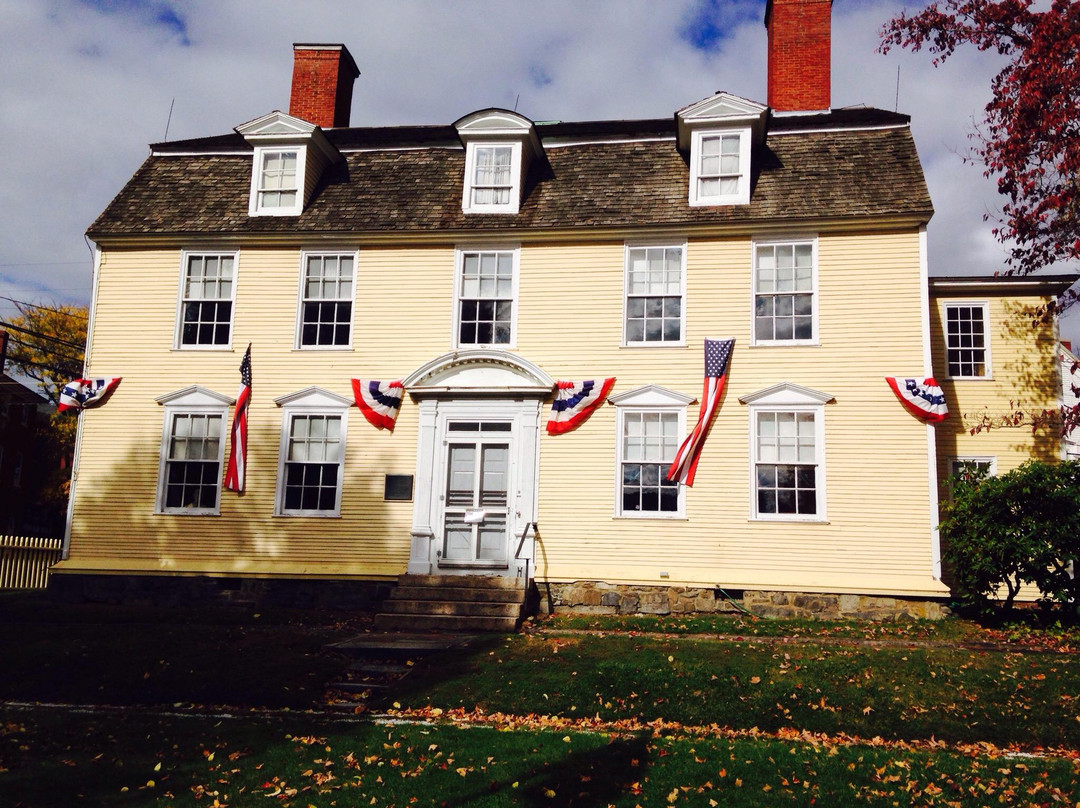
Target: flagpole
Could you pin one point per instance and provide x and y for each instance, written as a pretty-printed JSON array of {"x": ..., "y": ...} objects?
[{"x": 65, "y": 549}]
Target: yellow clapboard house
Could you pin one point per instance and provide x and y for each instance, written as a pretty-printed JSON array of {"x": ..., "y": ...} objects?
[{"x": 483, "y": 262}]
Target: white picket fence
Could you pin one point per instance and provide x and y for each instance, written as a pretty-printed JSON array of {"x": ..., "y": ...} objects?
[{"x": 25, "y": 561}]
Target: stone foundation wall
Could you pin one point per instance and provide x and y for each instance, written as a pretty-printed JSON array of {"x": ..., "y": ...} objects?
[{"x": 597, "y": 597}]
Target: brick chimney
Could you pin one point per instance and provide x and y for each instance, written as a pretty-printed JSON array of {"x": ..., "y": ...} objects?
[
  {"x": 322, "y": 84},
  {"x": 800, "y": 54}
]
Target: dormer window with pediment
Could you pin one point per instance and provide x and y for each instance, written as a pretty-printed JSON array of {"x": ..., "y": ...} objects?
[
  {"x": 290, "y": 157},
  {"x": 499, "y": 148},
  {"x": 720, "y": 133}
]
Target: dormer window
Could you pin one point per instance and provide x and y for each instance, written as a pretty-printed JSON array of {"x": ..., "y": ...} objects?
[
  {"x": 492, "y": 175},
  {"x": 719, "y": 133},
  {"x": 499, "y": 146},
  {"x": 720, "y": 168},
  {"x": 277, "y": 183},
  {"x": 289, "y": 157}
]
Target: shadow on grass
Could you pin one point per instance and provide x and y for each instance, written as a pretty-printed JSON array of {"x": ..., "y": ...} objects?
[{"x": 593, "y": 777}]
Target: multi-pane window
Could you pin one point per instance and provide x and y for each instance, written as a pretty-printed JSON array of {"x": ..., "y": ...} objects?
[
  {"x": 492, "y": 179},
  {"x": 277, "y": 180},
  {"x": 206, "y": 303},
  {"x": 192, "y": 472},
  {"x": 720, "y": 166},
  {"x": 786, "y": 463},
  {"x": 654, "y": 289},
  {"x": 784, "y": 292},
  {"x": 486, "y": 300},
  {"x": 972, "y": 467},
  {"x": 650, "y": 441},
  {"x": 314, "y": 454},
  {"x": 965, "y": 341},
  {"x": 327, "y": 300}
]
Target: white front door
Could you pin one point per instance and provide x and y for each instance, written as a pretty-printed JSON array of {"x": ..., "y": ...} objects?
[
  {"x": 477, "y": 462},
  {"x": 476, "y": 500}
]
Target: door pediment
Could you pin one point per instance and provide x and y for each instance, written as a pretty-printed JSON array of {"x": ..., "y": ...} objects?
[{"x": 479, "y": 372}]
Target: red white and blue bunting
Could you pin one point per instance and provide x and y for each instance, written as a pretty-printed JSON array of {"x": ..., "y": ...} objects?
[
  {"x": 922, "y": 399},
  {"x": 575, "y": 402},
  {"x": 380, "y": 402},
  {"x": 83, "y": 394}
]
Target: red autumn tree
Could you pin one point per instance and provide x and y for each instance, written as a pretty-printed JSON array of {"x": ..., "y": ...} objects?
[{"x": 1030, "y": 139}]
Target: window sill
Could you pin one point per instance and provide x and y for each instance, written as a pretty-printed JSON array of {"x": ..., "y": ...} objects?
[
  {"x": 787, "y": 343},
  {"x": 786, "y": 520},
  {"x": 653, "y": 345},
  {"x": 307, "y": 515},
  {"x": 310, "y": 348},
  {"x": 203, "y": 348},
  {"x": 987, "y": 378},
  {"x": 187, "y": 513},
  {"x": 674, "y": 517}
]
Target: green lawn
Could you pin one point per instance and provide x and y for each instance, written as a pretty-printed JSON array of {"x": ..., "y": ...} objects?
[{"x": 589, "y": 711}]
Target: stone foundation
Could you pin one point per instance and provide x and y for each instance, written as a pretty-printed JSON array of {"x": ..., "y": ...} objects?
[{"x": 597, "y": 597}]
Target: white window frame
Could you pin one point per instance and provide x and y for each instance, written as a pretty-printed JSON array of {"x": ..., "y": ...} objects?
[
  {"x": 459, "y": 272},
  {"x": 255, "y": 204},
  {"x": 989, "y": 460},
  {"x": 185, "y": 260},
  {"x": 742, "y": 195},
  {"x": 301, "y": 299},
  {"x": 627, "y": 249},
  {"x": 788, "y": 398},
  {"x": 513, "y": 205},
  {"x": 190, "y": 401},
  {"x": 311, "y": 402},
  {"x": 648, "y": 400},
  {"x": 988, "y": 367},
  {"x": 812, "y": 240}
]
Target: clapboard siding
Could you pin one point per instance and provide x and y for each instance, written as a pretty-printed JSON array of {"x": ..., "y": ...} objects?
[
  {"x": 569, "y": 322},
  {"x": 1025, "y": 379}
]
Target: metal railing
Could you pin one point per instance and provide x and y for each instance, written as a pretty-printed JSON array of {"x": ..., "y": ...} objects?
[
  {"x": 25, "y": 561},
  {"x": 521, "y": 544}
]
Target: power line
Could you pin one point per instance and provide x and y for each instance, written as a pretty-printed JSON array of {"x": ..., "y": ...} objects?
[
  {"x": 39, "y": 335},
  {"x": 45, "y": 308},
  {"x": 44, "y": 264},
  {"x": 56, "y": 354}
]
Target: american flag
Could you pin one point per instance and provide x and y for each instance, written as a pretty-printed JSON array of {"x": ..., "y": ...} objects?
[
  {"x": 234, "y": 476},
  {"x": 717, "y": 354}
]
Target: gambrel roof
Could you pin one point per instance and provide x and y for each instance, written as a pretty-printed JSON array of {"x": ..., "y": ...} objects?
[{"x": 847, "y": 164}]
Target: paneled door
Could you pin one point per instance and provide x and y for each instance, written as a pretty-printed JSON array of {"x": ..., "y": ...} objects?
[{"x": 476, "y": 503}]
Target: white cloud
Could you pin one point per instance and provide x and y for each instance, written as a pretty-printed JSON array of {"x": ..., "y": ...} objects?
[{"x": 87, "y": 89}]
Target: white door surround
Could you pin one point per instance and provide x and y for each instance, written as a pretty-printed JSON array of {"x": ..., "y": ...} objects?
[{"x": 480, "y": 418}]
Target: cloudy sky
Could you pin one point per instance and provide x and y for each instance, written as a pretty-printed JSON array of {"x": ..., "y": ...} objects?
[{"x": 87, "y": 84}]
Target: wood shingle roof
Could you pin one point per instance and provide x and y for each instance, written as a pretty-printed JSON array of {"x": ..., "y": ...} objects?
[{"x": 606, "y": 174}]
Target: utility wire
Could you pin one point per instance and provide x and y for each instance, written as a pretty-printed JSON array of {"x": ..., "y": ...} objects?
[
  {"x": 45, "y": 308},
  {"x": 31, "y": 345},
  {"x": 39, "y": 335}
]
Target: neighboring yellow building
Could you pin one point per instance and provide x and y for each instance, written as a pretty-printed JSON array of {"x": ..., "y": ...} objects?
[{"x": 482, "y": 262}]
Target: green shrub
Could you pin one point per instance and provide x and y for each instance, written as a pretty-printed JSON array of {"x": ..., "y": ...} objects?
[{"x": 1023, "y": 527}]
